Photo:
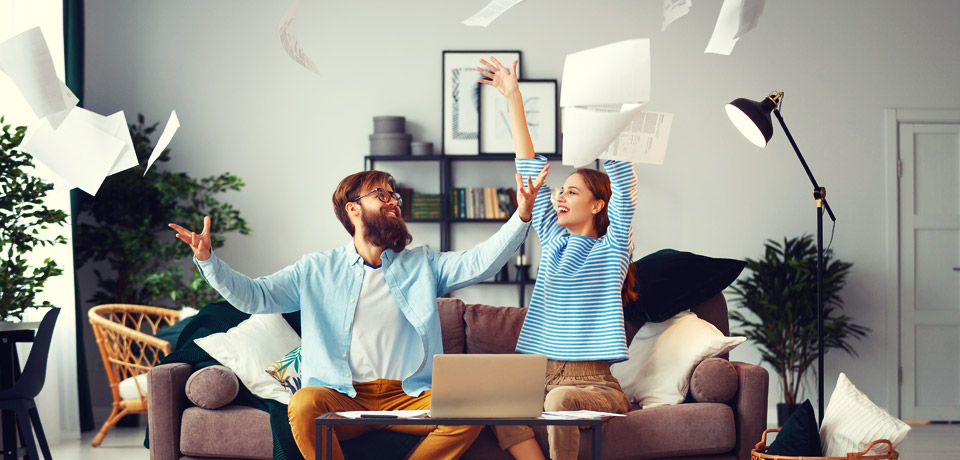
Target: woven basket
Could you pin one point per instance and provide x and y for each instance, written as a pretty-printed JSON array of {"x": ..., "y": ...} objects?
[{"x": 758, "y": 452}]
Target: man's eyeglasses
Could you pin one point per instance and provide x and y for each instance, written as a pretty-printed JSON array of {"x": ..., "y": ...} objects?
[{"x": 383, "y": 195}]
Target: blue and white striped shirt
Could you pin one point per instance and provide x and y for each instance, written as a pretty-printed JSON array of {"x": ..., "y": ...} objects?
[{"x": 576, "y": 313}]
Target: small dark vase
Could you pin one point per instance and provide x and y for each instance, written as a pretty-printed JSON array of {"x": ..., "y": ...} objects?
[{"x": 784, "y": 411}]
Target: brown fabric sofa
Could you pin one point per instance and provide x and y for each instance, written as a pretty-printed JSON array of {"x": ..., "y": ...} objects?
[{"x": 722, "y": 419}]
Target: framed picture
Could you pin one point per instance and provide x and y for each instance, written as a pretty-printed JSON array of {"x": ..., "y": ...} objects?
[
  {"x": 540, "y": 108},
  {"x": 461, "y": 98}
]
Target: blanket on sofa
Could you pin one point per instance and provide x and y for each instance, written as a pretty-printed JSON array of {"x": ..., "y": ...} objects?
[{"x": 220, "y": 317}]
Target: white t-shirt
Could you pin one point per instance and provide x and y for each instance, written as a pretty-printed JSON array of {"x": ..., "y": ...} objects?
[{"x": 381, "y": 334}]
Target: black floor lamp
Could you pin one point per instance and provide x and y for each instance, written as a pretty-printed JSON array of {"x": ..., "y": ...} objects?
[{"x": 753, "y": 120}]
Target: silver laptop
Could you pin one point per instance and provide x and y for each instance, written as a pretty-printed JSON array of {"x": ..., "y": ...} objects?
[{"x": 488, "y": 386}]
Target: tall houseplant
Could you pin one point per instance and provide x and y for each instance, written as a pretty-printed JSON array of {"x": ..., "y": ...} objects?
[
  {"x": 779, "y": 309},
  {"x": 125, "y": 226},
  {"x": 22, "y": 218}
]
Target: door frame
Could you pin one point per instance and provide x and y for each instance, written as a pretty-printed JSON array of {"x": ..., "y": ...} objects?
[{"x": 893, "y": 118}]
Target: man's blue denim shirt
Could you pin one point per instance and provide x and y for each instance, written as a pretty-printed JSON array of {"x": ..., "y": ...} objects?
[{"x": 325, "y": 287}]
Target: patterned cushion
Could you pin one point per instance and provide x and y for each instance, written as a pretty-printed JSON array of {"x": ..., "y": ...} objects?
[{"x": 286, "y": 371}]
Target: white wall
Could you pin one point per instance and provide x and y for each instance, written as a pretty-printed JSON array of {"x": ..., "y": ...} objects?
[{"x": 292, "y": 135}]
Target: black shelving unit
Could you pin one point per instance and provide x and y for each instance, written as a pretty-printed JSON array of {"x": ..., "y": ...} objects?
[{"x": 445, "y": 171}]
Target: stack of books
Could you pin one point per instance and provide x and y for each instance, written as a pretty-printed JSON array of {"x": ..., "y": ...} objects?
[
  {"x": 482, "y": 202},
  {"x": 425, "y": 206}
]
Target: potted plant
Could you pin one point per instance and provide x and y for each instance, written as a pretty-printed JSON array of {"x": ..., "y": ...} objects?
[
  {"x": 779, "y": 311},
  {"x": 23, "y": 217},
  {"x": 125, "y": 228}
]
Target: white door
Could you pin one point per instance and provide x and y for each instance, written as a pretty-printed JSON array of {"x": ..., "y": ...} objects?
[{"x": 930, "y": 271}]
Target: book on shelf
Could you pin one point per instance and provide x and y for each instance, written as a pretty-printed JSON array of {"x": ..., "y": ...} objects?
[
  {"x": 406, "y": 194},
  {"x": 478, "y": 203},
  {"x": 425, "y": 206}
]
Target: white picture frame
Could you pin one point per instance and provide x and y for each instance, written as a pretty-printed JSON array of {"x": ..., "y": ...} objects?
[
  {"x": 461, "y": 97},
  {"x": 541, "y": 109}
]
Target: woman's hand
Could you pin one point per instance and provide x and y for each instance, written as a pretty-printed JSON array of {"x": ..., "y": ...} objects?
[
  {"x": 200, "y": 244},
  {"x": 526, "y": 195},
  {"x": 501, "y": 78}
]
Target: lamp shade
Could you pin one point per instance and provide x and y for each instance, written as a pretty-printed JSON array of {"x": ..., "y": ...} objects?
[{"x": 752, "y": 119}]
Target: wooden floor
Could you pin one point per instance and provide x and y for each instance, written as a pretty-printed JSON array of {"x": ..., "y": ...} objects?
[{"x": 925, "y": 442}]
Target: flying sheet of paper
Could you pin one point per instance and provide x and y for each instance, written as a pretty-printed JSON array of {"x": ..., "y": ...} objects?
[
  {"x": 588, "y": 131},
  {"x": 673, "y": 10},
  {"x": 736, "y": 18},
  {"x": 115, "y": 126},
  {"x": 77, "y": 151},
  {"x": 70, "y": 100},
  {"x": 596, "y": 83},
  {"x": 643, "y": 140},
  {"x": 173, "y": 124},
  {"x": 489, "y": 13},
  {"x": 725, "y": 31},
  {"x": 750, "y": 13},
  {"x": 612, "y": 74},
  {"x": 26, "y": 59},
  {"x": 128, "y": 156},
  {"x": 288, "y": 38}
]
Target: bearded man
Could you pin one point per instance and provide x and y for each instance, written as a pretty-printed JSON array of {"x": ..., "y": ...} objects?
[{"x": 369, "y": 318}]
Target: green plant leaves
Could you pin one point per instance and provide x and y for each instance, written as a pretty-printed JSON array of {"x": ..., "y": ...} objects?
[
  {"x": 22, "y": 215},
  {"x": 779, "y": 308}
]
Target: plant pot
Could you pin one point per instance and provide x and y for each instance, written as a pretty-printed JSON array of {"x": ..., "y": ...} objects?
[{"x": 784, "y": 411}]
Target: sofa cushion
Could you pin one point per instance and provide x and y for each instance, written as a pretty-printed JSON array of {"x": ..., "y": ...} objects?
[
  {"x": 451, "y": 324},
  {"x": 212, "y": 387},
  {"x": 851, "y": 422},
  {"x": 664, "y": 355},
  {"x": 231, "y": 431},
  {"x": 667, "y": 431},
  {"x": 250, "y": 347},
  {"x": 714, "y": 380},
  {"x": 800, "y": 436},
  {"x": 670, "y": 281},
  {"x": 492, "y": 329}
]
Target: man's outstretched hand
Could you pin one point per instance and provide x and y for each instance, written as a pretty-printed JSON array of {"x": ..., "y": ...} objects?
[
  {"x": 200, "y": 244},
  {"x": 526, "y": 195}
]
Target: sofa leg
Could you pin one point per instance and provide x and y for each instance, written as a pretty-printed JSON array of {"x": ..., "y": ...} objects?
[{"x": 115, "y": 417}]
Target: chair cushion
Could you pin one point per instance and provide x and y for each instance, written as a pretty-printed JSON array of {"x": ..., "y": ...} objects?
[
  {"x": 212, "y": 387},
  {"x": 231, "y": 431},
  {"x": 128, "y": 387},
  {"x": 714, "y": 380}
]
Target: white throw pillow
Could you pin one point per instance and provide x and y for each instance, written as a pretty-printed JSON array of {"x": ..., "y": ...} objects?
[
  {"x": 128, "y": 387},
  {"x": 251, "y": 347},
  {"x": 851, "y": 422},
  {"x": 663, "y": 355}
]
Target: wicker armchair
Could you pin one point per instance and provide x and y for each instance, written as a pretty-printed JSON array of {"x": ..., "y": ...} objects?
[{"x": 124, "y": 335}]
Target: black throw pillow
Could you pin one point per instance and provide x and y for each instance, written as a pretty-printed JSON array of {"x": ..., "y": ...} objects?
[
  {"x": 670, "y": 281},
  {"x": 800, "y": 436}
]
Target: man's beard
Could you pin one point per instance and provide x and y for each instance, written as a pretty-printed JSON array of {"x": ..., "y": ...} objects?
[{"x": 385, "y": 231}]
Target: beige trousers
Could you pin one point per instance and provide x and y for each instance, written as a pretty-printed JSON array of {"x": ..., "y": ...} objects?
[{"x": 571, "y": 385}]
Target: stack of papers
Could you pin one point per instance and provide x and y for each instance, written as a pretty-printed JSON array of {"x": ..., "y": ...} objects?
[{"x": 602, "y": 98}]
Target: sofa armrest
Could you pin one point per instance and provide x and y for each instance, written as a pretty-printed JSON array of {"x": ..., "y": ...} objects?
[
  {"x": 166, "y": 400},
  {"x": 750, "y": 407}
]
